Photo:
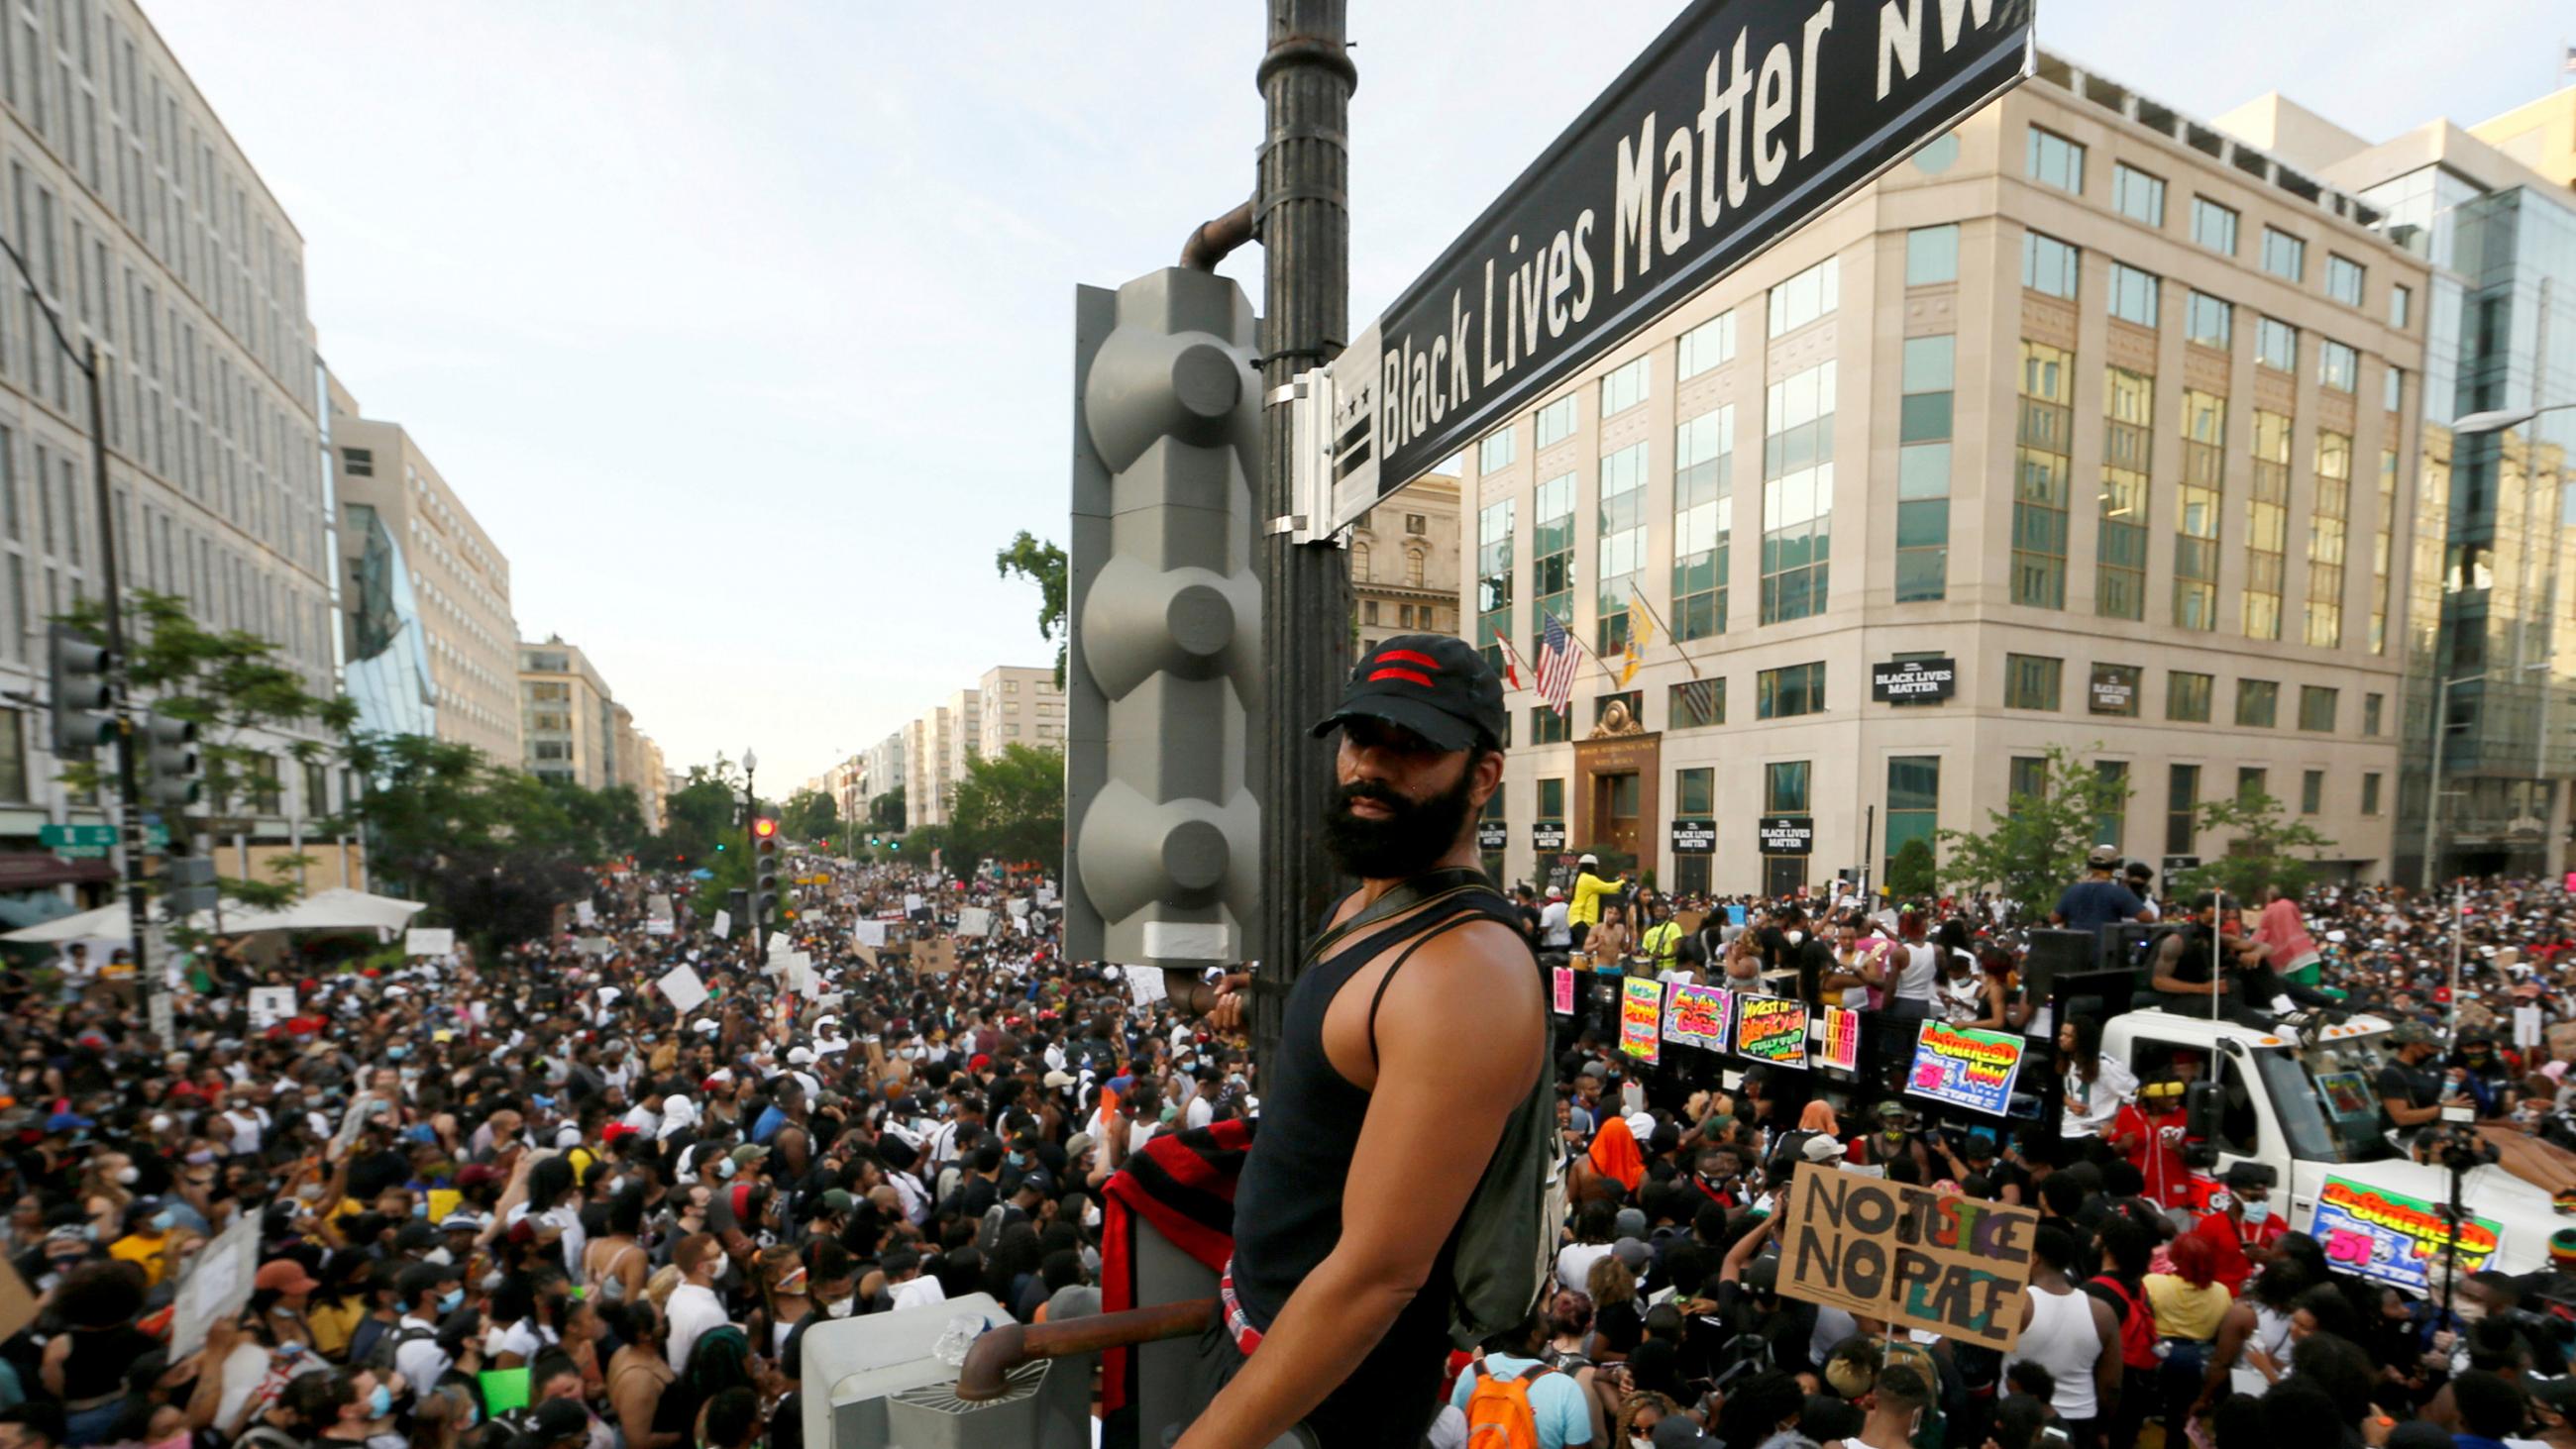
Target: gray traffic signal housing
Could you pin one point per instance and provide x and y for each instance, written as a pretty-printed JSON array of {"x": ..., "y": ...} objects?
[
  {"x": 1163, "y": 672},
  {"x": 188, "y": 884},
  {"x": 173, "y": 772},
  {"x": 764, "y": 871},
  {"x": 81, "y": 693}
]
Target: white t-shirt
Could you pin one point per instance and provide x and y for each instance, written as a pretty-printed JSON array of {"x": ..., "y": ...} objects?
[
  {"x": 920, "y": 1292},
  {"x": 1552, "y": 927},
  {"x": 246, "y": 1124},
  {"x": 1574, "y": 1264},
  {"x": 1914, "y": 977}
]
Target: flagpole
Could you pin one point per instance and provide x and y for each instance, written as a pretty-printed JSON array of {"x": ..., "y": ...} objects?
[
  {"x": 1637, "y": 596},
  {"x": 1577, "y": 641}
]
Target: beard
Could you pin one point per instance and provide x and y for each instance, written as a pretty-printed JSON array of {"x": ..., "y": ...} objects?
[{"x": 1405, "y": 843}]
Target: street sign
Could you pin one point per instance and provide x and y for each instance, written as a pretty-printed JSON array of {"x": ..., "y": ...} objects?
[
  {"x": 77, "y": 836},
  {"x": 1740, "y": 122}
]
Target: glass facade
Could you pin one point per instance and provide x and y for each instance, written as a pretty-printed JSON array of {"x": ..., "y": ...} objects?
[
  {"x": 1620, "y": 538},
  {"x": 1494, "y": 578},
  {"x": 1703, "y": 521},
  {"x": 1924, "y": 422},
  {"x": 2128, "y": 451},
  {"x": 2041, "y": 465},
  {"x": 1797, "y": 494}
]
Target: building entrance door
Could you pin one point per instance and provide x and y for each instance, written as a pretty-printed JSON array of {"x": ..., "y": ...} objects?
[
  {"x": 1783, "y": 875},
  {"x": 1616, "y": 806}
]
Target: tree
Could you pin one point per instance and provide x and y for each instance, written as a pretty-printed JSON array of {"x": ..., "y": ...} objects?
[
  {"x": 929, "y": 840},
  {"x": 2264, "y": 848},
  {"x": 2035, "y": 847},
  {"x": 1041, "y": 563},
  {"x": 491, "y": 850},
  {"x": 1912, "y": 875},
  {"x": 885, "y": 812},
  {"x": 810, "y": 815},
  {"x": 1010, "y": 807},
  {"x": 702, "y": 821}
]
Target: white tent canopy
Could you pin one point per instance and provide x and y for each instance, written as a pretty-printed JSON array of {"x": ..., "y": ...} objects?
[{"x": 331, "y": 910}]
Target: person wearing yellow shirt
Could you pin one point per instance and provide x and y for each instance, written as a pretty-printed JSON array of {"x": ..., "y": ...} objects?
[
  {"x": 146, "y": 1241},
  {"x": 1662, "y": 941},
  {"x": 1589, "y": 888}
]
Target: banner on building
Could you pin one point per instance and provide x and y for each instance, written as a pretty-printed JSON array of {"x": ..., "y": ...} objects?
[
  {"x": 1965, "y": 1067},
  {"x": 1771, "y": 1029},
  {"x": 2389, "y": 1237},
  {"x": 1694, "y": 836},
  {"x": 1913, "y": 681},
  {"x": 1697, "y": 1016},
  {"x": 1641, "y": 1019},
  {"x": 1930, "y": 1260}
]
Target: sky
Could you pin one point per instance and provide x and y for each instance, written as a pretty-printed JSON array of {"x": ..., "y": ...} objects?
[{"x": 744, "y": 328}]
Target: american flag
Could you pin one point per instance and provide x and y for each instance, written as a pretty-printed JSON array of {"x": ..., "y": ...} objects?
[{"x": 1556, "y": 661}]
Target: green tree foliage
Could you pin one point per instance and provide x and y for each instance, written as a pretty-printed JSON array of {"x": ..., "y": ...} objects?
[
  {"x": 921, "y": 844},
  {"x": 491, "y": 850},
  {"x": 2034, "y": 848},
  {"x": 1042, "y": 563},
  {"x": 1010, "y": 807},
  {"x": 698, "y": 818},
  {"x": 1911, "y": 875},
  {"x": 810, "y": 815},
  {"x": 2264, "y": 847},
  {"x": 885, "y": 812}
]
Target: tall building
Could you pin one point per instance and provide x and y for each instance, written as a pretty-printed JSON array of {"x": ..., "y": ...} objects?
[
  {"x": 154, "y": 238},
  {"x": 965, "y": 734},
  {"x": 928, "y": 777},
  {"x": 402, "y": 523},
  {"x": 639, "y": 765},
  {"x": 1404, "y": 563},
  {"x": 568, "y": 718},
  {"x": 882, "y": 771},
  {"x": 2088, "y": 426},
  {"x": 1020, "y": 705}
]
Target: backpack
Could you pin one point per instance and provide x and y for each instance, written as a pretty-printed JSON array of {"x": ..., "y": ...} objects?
[
  {"x": 1498, "y": 1410},
  {"x": 2137, "y": 1325},
  {"x": 380, "y": 1354}
]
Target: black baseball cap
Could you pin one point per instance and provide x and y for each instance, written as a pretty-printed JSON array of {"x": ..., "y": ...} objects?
[{"x": 1432, "y": 684}]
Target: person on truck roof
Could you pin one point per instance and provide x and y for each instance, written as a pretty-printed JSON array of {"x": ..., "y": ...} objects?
[
  {"x": 2410, "y": 1092},
  {"x": 2098, "y": 900}
]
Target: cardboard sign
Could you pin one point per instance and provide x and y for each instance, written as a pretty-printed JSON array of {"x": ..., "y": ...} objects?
[
  {"x": 723, "y": 923},
  {"x": 1689, "y": 922},
  {"x": 1965, "y": 1067},
  {"x": 17, "y": 1302},
  {"x": 682, "y": 987},
  {"x": 911, "y": 902},
  {"x": 1771, "y": 1029},
  {"x": 1839, "y": 1048},
  {"x": 270, "y": 1005},
  {"x": 1697, "y": 1016},
  {"x": 1561, "y": 989},
  {"x": 2526, "y": 1026},
  {"x": 1641, "y": 1018},
  {"x": 585, "y": 914},
  {"x": 797, "y": 970},
  {"x": 661, "y": 926},
  {"x": 1914, "y": 1256},
  {"x": 870, "y": 933},
  {"x": 974, "y": 921},
  {"x": 867, "y": 955},
  {"x": 938, "y": 957},
  {"x": 429, "y": 941},
  {"x": 218, "y": 1289},
  {"x": 2388, "y": 1237}
]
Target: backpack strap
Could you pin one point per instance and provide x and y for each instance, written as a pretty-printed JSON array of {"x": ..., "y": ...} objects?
[
  {"x": 1465, "y": 917},
  {"x": 1423, "y": 889},
  {"x": 1535, "y": 1372}
]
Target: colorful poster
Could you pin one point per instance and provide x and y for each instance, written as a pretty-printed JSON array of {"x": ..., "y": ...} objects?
[
  {"x": 1696, "y": 1016},
  {"x": 2388, "y": 1237},
  {"x": 1965, "y": 1067},
  {"x": 1771, "y": 1029},
  {"x": 1561, "y": 989},
  {"x": 2347, "y": 1094},
  {"x": 1641, "y": 1019},
  {"x": 1912, "y": 1255},
  {"x": 1841, "y": 1050}
]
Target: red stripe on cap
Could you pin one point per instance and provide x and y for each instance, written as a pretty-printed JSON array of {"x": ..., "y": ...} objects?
[
  {"x": 1409, "y": 656},
  {"x": 1405, "y": 674}
]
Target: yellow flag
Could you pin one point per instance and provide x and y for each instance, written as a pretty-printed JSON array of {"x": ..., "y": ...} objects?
[{"x": 1641, "y": 630}]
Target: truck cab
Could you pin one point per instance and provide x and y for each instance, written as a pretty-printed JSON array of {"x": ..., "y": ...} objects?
[{"x": 2309, "y": 1110}]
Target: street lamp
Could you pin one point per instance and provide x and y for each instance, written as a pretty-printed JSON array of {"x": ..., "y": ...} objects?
[{"x": 2496, "y": 420}]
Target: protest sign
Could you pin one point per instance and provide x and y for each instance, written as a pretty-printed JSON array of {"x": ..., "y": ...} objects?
[
  {"x": 1697, "y": 1016},
  {"x": 660, "y": 926},
  {"x": 17, "y": 1302},
  {"x": 938, "y": 956},
  {"x": 1735, "y": 915},
  {"x": 599, "y": 946},
  {"x": 270, "y": 1005},
  {"x": 2526, "y": 1026},
  {"x": 585, "y": 914},
  {"x": 1019, "y": 907},
  {"x": 682, "y": 988},
  {"x": 1145, "y": 985},
  {"x": 1641, "y": 1013},
  {"x": 219, "y": 1288},
  {"x": 974, "y": 921},
  {"x": 867, "y": 955},
  {"x": 799, "y": 972},
  {"x": 723, "y": 923},
  {"x": 429, "y": 941},
  {"x": 1840, "y": 1048},
  {"x": 870, "y": 933},
  {"x": 1561, "y": 990},
  {"x": 1915, "y": 1256},
  {"x": 2388, "y": 1237},
  {"x": 911, "y": 901},
  {"x": 778, "y": 945},
  {"x": 1965, "y": 1067},
  {"x": 657, "y": 907},
  {"x": 1771, "y": 1029}
]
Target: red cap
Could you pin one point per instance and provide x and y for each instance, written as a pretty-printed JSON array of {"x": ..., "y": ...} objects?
[{"x": 475, "y": 1173}]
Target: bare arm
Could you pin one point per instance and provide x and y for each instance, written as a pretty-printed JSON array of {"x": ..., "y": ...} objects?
[
  {"x": 1434, "y": 1116},
  {"x": 2233, "y": 1330},
  {"x": 2106, "y": 1364},
  {"x": 2407, "y": 1116}
]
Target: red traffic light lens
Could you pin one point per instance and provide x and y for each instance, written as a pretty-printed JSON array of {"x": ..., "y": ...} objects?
[{"x": 763, "y": 829}]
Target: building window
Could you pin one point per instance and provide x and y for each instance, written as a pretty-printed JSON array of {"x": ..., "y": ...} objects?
[
  {"x": 1923, "y": 469},
  {"x": 2258, "y": 703},
  {"x": 1552, "y": 562},
  {"x": 2284, "y": 255},
  {"x": 2328, "y": 521},
  {"x": 2114, "y": 690},
  {"x": 1405, "y": 613},
  {"x": 2312, "y": 791},
  {"x": 2401, "y": 307},
  {"x": 1494, "y": 579},
  {"x": 2370, "y": 793},
  {"x": 1802, "y": 299},
  {"x": 2338, "y": 366},
  {"x": 2187, "y": 696},
  {"x": 2198, "y": 508},
  {"x": 1547, "y": 727},
  {"x": 2372, "y": 706},
  {"x": 1695, "y": 704},
  {"x": 1620, "y": 540},
  {"x": 1932, "y": 255},
  {"x": 2049, "y": 266},
  {"x": 2053, "y": 159},
  {"x": 2026, "y": 777},
  {"x": 2343, "y": 279},
  {"x": 2031, "y": 681},
  {"x": 2267, "y": 525},
  {"x": 1913, "y": 802},
  {"x": 2382, "y": 550},
  {"x": 1624, "y": 387},
  {"x": 2208, "y": 321},
  {"x": 2213, "y": 225},
  {"x": 2128, "y": 450},
  {"x": 1710, "y": 344},
  {"x": 1413, "y": 568},
  {"x": 1694, "y": 798},
  {"x": 2317, "y": 708},
  {"x": 358, "y": 462},
  {"x": 1555, "y": 422},
  {"x": 1703, "y": 521},
  {"x": 1797, "y": 494},
  {"x": 317, "y": 790},
  {"x": 267, "y": 791},
  {"x": 1417, "y": 524},
  {"x": 1785, "y": 693},
  {"x": 13, "y": 755},
  {"x": 2392, "y": 389},
  {"x": 1784, "y": 787},
  {"x": 2276, "y": 344},
  {"x": 1551, "y": 801},
  {"x": 2182, "y": 810},
  {"x": 2137, "y": 195},
  {"x": 1495, "y": 453},
  {"x": 2040, "y": 476},
  {"x": 2133, "y": 295},
  {"x": 2111, "y": 827}
]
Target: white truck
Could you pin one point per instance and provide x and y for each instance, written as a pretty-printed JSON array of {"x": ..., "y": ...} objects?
[{"x": 2310, "y": 1111}]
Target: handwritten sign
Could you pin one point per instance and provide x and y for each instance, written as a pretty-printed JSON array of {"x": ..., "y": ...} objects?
[
  {"x": 870, "y": 933},
  {"x": 1697, "y": 1016},
  {"x": 1965, "y": 1067},
  {"x": 723, "y": 926},
  {"x": 270, "y": 1005},
  {"x": 585, "y": 913},
  {"x": 219, "y": 1288},
  {"x": 1927, "y": 1259},
  {"x": 682, "y": 987},
  {"x": 429, "y": 941},
  {"x": 661, "y": 926},
  {"x": 938, "y": 957},
  {"x": 1561, "y": 989},
  {"x": 2388, "y": 1237},
  {"x": 1840, "y": 1048},
  {"x": 974, "y": 921},
  {"x": 1771, "y": 1029},
  {"x": 1641, "y": 1013}
]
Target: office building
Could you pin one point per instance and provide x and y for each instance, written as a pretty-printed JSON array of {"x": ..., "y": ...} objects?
[
  {"x": 882, "y": 772},
  {"x": 639, "y": 765},
  {"x": 965, "y": 733},
  {"x": 1020, "y": 705},
  {"x": 568, "y": 718},
  {"x": 2088, "y": 426},
  {"x": 1404, "y": 563},
  {"x": 928, "y": 773}
]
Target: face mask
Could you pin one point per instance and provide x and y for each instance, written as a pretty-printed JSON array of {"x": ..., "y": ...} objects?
[
  {"x": 128, "y": 1175},
  {"x": 201, "y": 1159},
  {"x": 397, "y": 1052},
  {"x": 2258, "y": 1212},
  {"x": 452, "y": 1300},
  {"x": 380, "y": 1403},
  {"x": 1640, "y": 1441},
  {"x": 161, "y": 1222},
  {"x": 724, "y": 1167}
]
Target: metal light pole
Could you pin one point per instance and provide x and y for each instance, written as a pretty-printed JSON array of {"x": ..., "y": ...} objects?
[{"x": 138, "y": 907}]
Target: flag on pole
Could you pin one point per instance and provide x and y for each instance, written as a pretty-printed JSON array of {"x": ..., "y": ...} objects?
[
  {"x": 1511, "y": 658},
  {"x": 1556, "y": 661},
  {"x": 1641, "y": 631},
  {"x": 2568, "y": 65}
]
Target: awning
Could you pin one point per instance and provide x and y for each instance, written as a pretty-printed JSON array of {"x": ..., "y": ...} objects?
[{"x": 34, "y": 869}]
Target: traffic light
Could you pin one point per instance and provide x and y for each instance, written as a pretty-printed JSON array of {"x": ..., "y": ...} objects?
[
  {"x": 187, "y": 884},
  {"x": 738, "y": 904},
  {"x": 172, "y": 770},
  {"x": 1163, "y": 834},
  {"x": 81, "y": 695},
  {"x": 764, "y": 870}
]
